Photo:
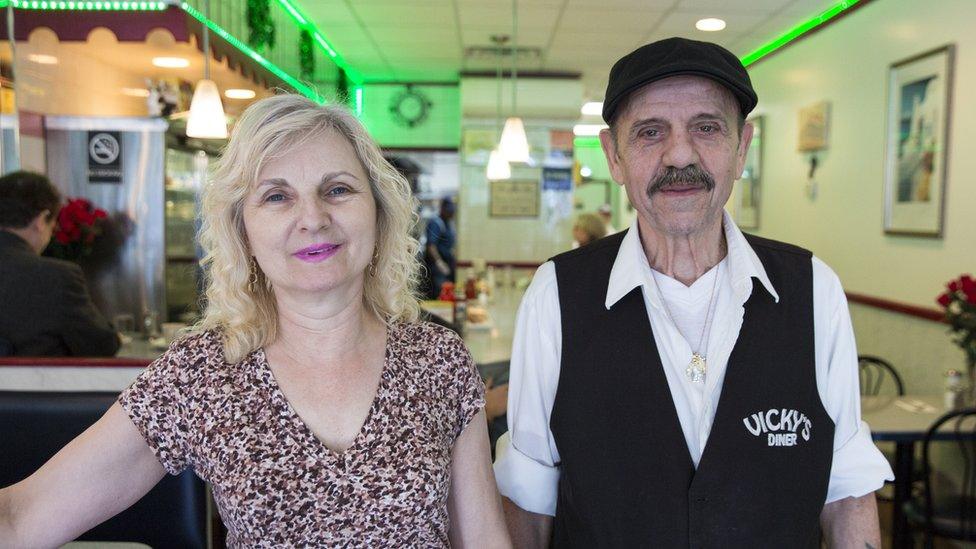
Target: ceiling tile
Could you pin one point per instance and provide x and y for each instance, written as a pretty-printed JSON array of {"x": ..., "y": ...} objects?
[
  {"x": 382, "y": 14},
  {"x": 622, "y": 4},
  {"x": 609, "y": 20},
  {"x": 733, "y": 6}
]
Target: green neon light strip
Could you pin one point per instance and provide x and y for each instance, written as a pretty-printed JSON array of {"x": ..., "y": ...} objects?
[
  {"x": 292, "y": 81},
  {"x": 797, "y": 31},
  {"x": 82, "y": 5},
  {"x": 303, "y": 22},
  {"x": 586, "y": 142}
]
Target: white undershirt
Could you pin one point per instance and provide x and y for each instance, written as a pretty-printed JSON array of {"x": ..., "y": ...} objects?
[{"x": 686, "y": 310}]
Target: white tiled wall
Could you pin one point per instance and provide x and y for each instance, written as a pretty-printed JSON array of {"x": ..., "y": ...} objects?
[
  {"x": 508, "y": 239},
  {"x": 919, "y": 349}
]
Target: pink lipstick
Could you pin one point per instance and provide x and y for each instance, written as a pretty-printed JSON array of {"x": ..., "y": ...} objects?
[{"x": 317, "y": 252}]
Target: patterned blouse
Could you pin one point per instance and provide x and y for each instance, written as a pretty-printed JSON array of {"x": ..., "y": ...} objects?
[{"x": 274, "y": 482}]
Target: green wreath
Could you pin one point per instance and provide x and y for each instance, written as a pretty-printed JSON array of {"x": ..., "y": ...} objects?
[
  {"x": 410, "y": 107},
  {"x": 306, "y": 55}
]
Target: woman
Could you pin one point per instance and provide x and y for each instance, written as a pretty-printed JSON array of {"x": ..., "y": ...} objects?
[
  {"x": 318, "y": 410},
  {"x": 588, "y": 228}
]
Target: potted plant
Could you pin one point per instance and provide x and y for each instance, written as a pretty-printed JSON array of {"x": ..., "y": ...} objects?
[{"x": 959, "y": 303}]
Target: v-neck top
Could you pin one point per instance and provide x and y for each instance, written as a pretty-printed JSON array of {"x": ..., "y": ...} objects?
[{"x": 274, "y": 482}]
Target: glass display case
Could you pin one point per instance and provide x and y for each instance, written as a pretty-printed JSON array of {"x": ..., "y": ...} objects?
[{"x": 186, "y": 173}]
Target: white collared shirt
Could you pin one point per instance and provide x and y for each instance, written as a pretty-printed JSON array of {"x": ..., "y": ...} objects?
[{"x": 528, "y": 472}]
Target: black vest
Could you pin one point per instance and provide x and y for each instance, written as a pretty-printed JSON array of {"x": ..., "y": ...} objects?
[{"x": 626, "y": 476}]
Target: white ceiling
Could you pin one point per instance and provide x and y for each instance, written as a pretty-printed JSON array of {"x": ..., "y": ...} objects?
[{"x": 425, "y": 40}]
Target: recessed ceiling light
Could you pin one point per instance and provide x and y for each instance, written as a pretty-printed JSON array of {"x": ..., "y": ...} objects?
[
  {"x": 42, "y": 59},
  {"x": 171, "y": 62},
  {"x": 135, "y": 92},
  {"x": 710, "y": 24},
  {"x": 592, "y": 107},
  {"x": 588, "y": 130},
  {"x": 239, "y": 94}
]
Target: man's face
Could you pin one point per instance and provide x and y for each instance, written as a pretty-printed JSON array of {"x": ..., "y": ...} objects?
[{"x": 677, "y": 152}]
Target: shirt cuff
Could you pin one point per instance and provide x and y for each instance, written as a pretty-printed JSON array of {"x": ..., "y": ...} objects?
[
  {"x": 858, "y": 468},
  {"x": 529, "y": 484}
]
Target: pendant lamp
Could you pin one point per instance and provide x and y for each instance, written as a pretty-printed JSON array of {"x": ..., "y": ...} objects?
[
  {"x": 514, "y": 145},
  {"x": 498, "y": 167},
  {"x": 206, "y": 119}
]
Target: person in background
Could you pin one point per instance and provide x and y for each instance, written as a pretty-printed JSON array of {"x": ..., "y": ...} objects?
[
  {"x": 588, "y": 228},
  {"x": 681, "y": 384},
  {"x": 310, "y": 398},
  {"x": 439, "y": 252},
  {"x": 45, "y": 306},
  {"x": 606, "y": 214}
]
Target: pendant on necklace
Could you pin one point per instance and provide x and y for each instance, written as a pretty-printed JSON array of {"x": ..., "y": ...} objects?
[{"x": 696, "y": 369}]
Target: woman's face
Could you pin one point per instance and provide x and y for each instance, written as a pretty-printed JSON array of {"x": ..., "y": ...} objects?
[{"x": 311, "y": 218}]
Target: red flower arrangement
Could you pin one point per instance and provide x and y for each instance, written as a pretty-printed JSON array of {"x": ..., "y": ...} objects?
[
  {"x": 959, "y": 302},
  {"x": 79, "y": 224}
]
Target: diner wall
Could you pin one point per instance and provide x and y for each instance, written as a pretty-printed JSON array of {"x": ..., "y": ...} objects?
[
  {"x": 440, "y": 127},
  {"x": 847, "y": 64},
  {"x": 546, "y": 105}
]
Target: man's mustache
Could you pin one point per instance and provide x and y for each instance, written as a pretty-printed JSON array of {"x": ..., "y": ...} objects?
[{"x": 689, "y": 176}]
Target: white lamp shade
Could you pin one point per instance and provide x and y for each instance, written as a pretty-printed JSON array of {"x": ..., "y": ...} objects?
[
  {"x": 498, "y": 167},
  {"x": 514, "y": 146},
  {"x": 206, "y": 113}
]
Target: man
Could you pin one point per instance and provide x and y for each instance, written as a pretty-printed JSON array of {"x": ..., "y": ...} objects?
[
  {"x": 45, "y": 308},
  {"x": 439, "y": 256},
  {"x": 680, "y": 384}
]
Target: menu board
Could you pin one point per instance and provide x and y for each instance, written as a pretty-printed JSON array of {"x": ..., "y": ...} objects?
[{"x": 514, "y": 198}]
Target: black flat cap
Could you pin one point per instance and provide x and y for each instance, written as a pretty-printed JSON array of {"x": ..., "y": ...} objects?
[{"x": 673, "y": 57}]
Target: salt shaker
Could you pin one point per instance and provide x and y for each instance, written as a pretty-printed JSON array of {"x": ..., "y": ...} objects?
[{"x": 953, "y": 390}]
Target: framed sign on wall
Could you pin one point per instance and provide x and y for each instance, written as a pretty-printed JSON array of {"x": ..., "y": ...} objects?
[{"x": 514, "y": 198}]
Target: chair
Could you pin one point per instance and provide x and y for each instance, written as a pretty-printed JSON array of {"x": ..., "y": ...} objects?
[
  {"x": 35, "y": 425},
  {"x": 878, "y": 374},
  {"x": 498, "y": 373},
  {"x": 948, "y": 515}
]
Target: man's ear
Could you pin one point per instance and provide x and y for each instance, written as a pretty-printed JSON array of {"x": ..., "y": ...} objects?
[
  {"x": 740, "y": 155},
  {"x": 40, "y": 222},
  {"x": 609, "y": 145}
]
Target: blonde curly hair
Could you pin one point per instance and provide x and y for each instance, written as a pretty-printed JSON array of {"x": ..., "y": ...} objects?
[{"x": 246, "y": 314}]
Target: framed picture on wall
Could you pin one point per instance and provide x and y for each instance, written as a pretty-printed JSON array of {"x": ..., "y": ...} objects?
[
  {"x": 917, "y": 143},
  {"x": 747, "y": 198}
]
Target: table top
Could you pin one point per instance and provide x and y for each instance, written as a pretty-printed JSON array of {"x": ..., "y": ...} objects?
[{"x": 901, "y": 418}]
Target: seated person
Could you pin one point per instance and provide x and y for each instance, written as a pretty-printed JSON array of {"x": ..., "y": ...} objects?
[
  {"x": 588, "y": 228},
  {"x": 46, "y": 310}
]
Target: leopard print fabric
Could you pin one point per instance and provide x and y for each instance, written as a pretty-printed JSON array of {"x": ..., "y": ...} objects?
[{"x": 275, "y": 484}]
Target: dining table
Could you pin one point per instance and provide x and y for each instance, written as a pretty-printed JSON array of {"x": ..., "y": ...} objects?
[{"x": 903, "y": 420}]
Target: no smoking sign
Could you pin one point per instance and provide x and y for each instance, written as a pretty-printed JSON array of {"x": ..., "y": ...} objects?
[{"x": 104, "y": 157}]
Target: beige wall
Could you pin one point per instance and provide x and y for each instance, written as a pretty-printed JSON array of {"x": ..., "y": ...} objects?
[{"x": 847, "y": 64}]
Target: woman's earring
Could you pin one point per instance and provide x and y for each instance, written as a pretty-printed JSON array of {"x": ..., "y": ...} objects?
[
  {"x": 373, "y": 262},
  {"x": 252, "y": 280}
]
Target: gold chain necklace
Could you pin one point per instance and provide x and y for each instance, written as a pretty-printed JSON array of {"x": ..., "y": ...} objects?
[{"x": 698, "y": 366}]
